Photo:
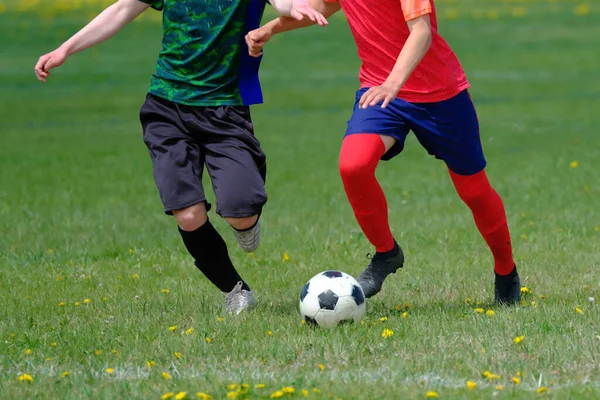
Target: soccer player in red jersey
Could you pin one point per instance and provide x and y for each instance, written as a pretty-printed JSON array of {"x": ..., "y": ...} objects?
[{"x": 410, "y": 80}]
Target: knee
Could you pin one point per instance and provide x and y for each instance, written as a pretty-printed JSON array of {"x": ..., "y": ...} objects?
[
  {"x": 242, "y": 223},
  {"x": 472, "y": 189},
  {"x": 191, "y": 218},
  {"x": 355, "y": 168}
]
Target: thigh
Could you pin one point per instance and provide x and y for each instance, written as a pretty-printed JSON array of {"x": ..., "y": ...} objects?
[
  {"x": 234, "y": 160},
  {"x": 177, "y": 159},
  {"x": 375, "y": 120},
  {"x": 449, "y": 130}
]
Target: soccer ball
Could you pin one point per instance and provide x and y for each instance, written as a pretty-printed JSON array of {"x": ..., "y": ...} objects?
[{"x": 330, "y": 298}]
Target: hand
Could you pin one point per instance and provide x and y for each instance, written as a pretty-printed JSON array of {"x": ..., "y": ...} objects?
[
  {"x": 49, "y": 61},
  {"x": 256, "y": 40},
  {"x": 375, "y": 94},
  {"x": 302, "y": 8}
]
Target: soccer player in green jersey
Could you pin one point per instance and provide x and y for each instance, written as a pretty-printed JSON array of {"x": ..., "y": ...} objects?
[{"x": 197, "y": 114}]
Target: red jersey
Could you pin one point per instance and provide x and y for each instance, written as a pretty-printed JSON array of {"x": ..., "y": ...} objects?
[{"x": 380, "y": 30}]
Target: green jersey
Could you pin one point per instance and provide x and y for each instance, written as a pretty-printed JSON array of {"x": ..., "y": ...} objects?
[{"x": 204, "y": 60}]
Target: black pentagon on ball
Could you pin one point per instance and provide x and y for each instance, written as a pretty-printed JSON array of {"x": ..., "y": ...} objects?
[
  {"x": 333, "y": 274},
  {"x": 358, "y": 295},
  {"x": 310, "y": 321},
  {"x": 328, "y": 300},
  {"x": 304, "y": 292}
]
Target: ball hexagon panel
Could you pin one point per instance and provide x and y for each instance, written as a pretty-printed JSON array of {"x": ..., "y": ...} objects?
[{"x": 309, "y": 307}]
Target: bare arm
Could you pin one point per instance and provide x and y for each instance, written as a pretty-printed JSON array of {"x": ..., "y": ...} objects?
[
  {"x": 259, "y": 37},
  {"x": 101, "y": 28},
  {"x": 412, "y": 53}
]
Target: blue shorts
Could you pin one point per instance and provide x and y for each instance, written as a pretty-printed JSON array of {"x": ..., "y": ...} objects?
[{"x": 448, "y": 130}]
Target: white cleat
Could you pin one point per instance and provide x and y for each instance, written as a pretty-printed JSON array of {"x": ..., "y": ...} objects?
[
  {"x": 239, "y": 300},
  {"x": 249, "y": 240}
]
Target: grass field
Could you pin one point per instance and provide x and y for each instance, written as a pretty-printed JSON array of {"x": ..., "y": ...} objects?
[{"x": 100, "y": 299}]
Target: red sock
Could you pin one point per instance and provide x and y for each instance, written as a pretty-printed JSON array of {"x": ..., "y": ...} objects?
[
  {"x": 490, "y": 217},
  {"x": 359, "y": 157}
]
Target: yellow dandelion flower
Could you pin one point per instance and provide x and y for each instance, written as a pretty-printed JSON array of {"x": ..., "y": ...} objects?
[
  {"x": 166, "y": 375},
  {"x": 269, "y": 333},
  {"x": 468, "y": 300},
  {"x": 387, "y": 333},
  {"x": 315, "y": 390},
  {"x": 232, "y": 395},
  {"x": 166, "y": 291},
  {"x": 180, "y": 395},
  {"x": 135, "y": 276},
  {"x": 493, "y": 377},
  {"x": 77, "y": 304},
  {"x": 579, "y": 310},
  {"x": 87, "y": 301},
  {"x": 259, "y": 386},
  {"x": 203, "y": 396},
  {"x": 516, "y": 380},
  {"x": 303, "y": 322},
  {"x": 490, "y": 313},
  {"x": 26, "y": 378},
  {"x": 173, "y": 328},
  {"x": 383, "y": 319},
  {"x": 486, "y": 374},
  {"x": 97, "y": 352},
  {"x": 519, "y": 12},
  {"x": 431, "y": 395},
  {"x": 116, "y": 352},
  {"x": 264, "y": 360},
  {"x": 597, "y": 228},
  {"x": 220, "y": 319},
  {"x": 541, "y": 390},
  {"x": 177, "y": 355},
  {"x": 519, "y": 339},
  {"x": 244, "y": 387},
  {"x": 582, "y": 10},
  {"x": 525, "y": 290},
  {"x": 66, "y": 373},
  {"x": 167, "y": 396},
  {"x": 105, "y": 299},
  {"x": 321, "y": 367},
  {"x": 150, "y": 364},
  {"x": 232, "y": 386},
  {"x": 574, "y": 164},
  {"x": 62, "y": 304},
  {"x": 499, "y": 387},
  {"x": 189, "y": 331},
  {"x": 479, "y": 310},
  {"x": 276, "y": 394},
  {"x": 288, "y": 390},
  {"x": 404, "y": 314},
  {"x": 50, "y": 251},
  {"x": 471, "y": 385},
  {"x": 49, "y": 359},
  {"x": 53, "y": 344},
  {"x": 399, "y": 307},
  {"x": 286, "y": 256},
  {"x": 131, "y": 251},
  {"x": 304, "y": 392},
  {"x": 519, "y": 373},
  {"x": 207, "y": 340},
  {"x": 110, "y": 371},
  {"x": 28, "y": 351}
]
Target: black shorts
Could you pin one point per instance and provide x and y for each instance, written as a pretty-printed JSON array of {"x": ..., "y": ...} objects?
[{"x": 182, "y": 139}]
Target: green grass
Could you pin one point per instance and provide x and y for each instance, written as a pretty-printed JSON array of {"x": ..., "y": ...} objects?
[{"x": 80, "y": 219}]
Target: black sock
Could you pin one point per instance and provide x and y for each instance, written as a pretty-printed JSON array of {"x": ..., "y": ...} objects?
[{"x": 210, "y": 253}]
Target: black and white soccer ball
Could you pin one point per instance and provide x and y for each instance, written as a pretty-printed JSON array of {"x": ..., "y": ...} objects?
[{"x": 330, "y": 298}]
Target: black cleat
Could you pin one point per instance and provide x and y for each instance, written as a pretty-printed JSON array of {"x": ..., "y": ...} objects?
[
  {"x": 508, "y": 288},
  {"x": 381, "y": 265}
]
